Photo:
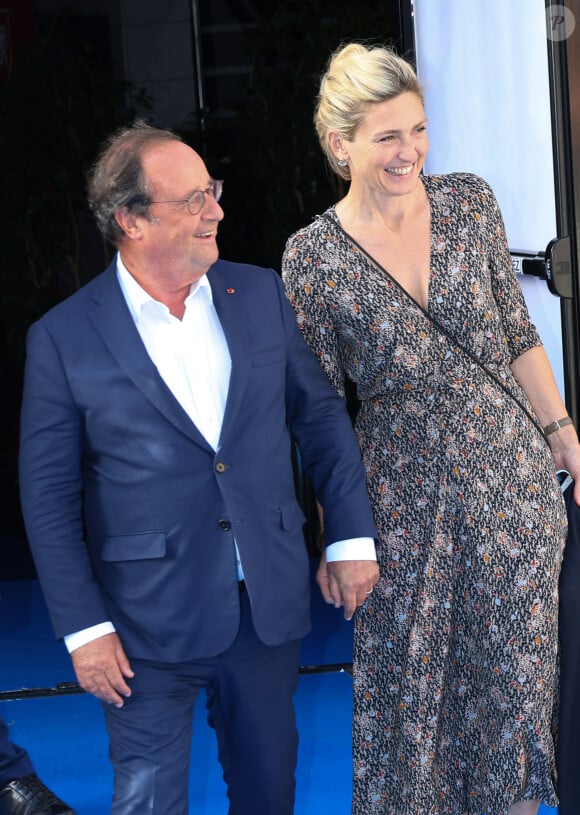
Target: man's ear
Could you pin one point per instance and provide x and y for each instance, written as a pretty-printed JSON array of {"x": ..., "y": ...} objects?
[{"x": 129, "y": 223}]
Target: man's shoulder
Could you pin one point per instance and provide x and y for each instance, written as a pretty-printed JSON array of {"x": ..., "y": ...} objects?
[
  {"x": 77, "y": 302},
  {"x": 224, "y": 268},
  {"x": 258, "y": 288},
  {"x": 234, "y": 275}
]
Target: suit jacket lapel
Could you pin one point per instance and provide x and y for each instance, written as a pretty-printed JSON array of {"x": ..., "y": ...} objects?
[
  {"x": 231, "y": 308},
  {"x": 113, "y": 321}
]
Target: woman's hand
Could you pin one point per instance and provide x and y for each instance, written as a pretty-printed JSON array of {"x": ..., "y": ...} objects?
[{"x": 566, "y": 454}]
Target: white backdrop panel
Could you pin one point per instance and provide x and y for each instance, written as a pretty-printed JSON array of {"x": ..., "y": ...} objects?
[{"x": 483, "y": 65}]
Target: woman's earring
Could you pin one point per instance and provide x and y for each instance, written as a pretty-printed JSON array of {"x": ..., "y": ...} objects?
[{"x": 342, "y": 162}]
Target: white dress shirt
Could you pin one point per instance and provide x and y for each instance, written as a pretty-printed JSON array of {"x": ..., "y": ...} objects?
[
  {"x": 191, "y": 354},
  {"x": 193, "y": 359}
]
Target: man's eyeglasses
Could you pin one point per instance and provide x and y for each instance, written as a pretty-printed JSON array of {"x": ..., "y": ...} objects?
[{"x": 196, "y": 200}]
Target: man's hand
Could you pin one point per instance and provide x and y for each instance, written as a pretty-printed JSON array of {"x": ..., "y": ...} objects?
[
  {"x": 101, "y": 667},
  {"x": 347, "y": 582}
]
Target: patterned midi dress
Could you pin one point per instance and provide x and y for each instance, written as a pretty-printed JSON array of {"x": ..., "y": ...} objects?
[{"x": 455, "y": 651}]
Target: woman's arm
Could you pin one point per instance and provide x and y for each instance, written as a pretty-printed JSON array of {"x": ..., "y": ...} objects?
[{"x": 533, "y": 371}]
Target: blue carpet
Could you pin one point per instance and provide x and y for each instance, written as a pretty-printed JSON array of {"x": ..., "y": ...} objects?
[
  {"x": 66, "y": 739},
  {"x": 67, "y": 743}
]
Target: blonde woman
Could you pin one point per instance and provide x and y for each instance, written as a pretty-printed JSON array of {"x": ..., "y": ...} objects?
[{"x": 406, "y": 287}]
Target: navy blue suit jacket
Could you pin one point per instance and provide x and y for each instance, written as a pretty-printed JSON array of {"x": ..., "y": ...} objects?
[{"x": 131, "y": 516}]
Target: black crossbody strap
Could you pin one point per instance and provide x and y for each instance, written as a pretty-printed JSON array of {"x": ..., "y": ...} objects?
[{"x": 440, "y": 327}]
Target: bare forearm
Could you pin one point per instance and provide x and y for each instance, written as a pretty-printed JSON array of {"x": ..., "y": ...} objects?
[{"x": 534, "y": 373}]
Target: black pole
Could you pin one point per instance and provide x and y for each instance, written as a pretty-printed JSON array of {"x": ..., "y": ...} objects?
[
  {"x": 407, "y": 29},
  {"x": 197, "y": 64},
  {"x": 71, "y": 688},
  {"x": 560, "y": 52}
]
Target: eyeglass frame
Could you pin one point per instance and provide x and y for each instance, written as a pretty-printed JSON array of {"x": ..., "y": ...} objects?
[{"x": 214, "y": 189}]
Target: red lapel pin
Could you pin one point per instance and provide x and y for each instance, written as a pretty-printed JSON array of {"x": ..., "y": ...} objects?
[{"x": 230, "y": 291}]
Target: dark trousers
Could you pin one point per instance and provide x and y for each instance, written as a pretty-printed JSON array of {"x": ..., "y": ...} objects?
[
  {"x": 14, "y": 761},
  {"x": 249, "y": 698},
  {"x": 568, "y": 745}
]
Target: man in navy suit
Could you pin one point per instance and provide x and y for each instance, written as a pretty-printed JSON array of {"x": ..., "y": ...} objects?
[{"x": 160, "y": 404}]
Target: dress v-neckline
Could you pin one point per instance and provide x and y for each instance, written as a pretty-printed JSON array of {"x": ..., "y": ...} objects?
[{"x": 424, "y": 309}]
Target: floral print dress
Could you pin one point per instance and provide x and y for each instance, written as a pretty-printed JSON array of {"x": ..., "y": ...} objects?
[{"x": 455, "y": 653}]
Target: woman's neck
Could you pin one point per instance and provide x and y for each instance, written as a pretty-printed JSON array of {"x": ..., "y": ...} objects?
[{"x": 363, "y": 210}]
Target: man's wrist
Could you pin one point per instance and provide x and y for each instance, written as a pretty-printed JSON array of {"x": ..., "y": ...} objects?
[
  {"x": 351, "y": 549},
  {"x": 86, "y": 635}
]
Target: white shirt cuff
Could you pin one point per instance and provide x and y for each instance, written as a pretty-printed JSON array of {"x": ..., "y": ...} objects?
[
  {"x": 351, "y": 549},
  {"x": 78, "y": 638}
]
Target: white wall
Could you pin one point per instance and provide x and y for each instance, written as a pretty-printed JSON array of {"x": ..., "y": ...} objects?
[{"x": 484, "y": 68}]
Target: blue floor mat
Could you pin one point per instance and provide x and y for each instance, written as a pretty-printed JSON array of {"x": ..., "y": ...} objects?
[{"x": 66, "y": 739}]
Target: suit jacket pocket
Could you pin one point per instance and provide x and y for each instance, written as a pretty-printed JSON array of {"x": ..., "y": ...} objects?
[
  {"x": 291, "y": 515},
  {"x": 139, "y": 546}
]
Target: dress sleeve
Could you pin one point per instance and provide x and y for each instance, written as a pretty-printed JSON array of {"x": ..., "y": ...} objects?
[
  {"x": 520, "y": 331},
  {"x": 305, "y": 281}
]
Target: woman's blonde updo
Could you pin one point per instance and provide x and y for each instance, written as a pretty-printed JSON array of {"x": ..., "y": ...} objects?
[{"x": 356, "y": 77}]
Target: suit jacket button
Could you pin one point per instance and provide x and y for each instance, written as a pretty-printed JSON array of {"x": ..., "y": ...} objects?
[
  {"x": 220, "y": 467},
  {"x": 223, "y": 524}
]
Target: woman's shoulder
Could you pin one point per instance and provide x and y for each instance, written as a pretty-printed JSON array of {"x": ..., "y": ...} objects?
[
  {"x": 314, "y": 230},
  {"x": 459, "y": 182},
  {"x": 312, "y": 248}
]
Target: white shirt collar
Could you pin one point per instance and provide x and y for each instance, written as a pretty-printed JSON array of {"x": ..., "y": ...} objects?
[{"x": 137, "y": 297}]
